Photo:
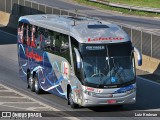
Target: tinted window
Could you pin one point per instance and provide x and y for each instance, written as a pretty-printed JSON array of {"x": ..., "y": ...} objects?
[
  {"x": 26, "y": 34},
  {"x": 97, "y": 26},
  {"x": 56, "y": 43},
  {"x": 120, "y": 49},
  {"x": 44, "y": 39}
]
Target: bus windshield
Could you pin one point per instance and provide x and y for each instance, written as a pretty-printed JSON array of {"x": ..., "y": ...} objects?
[{"x": 103, "y": 65}]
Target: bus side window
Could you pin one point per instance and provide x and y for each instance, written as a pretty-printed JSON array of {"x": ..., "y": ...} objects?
[
  {"x": 40, "y": 39},
  {"x": 51, "y": 44},
  {"x": 25, "y": 34},
  {"x": 32, "y": 36},
  {"x": 47, "y": 40},
  {"x": 64, "y": 47},
  {"x": 52, "y": 41},
  {"x": 59, "y": 44},
  {"x": 36, "y": 37},
  {"x": 64, "y": 44},
  {"x": 29, "y": 32},
  {"x": 28, "y": 35},
  {"x": 20, "y": 32},
  {"x": 74, "y": 44}
]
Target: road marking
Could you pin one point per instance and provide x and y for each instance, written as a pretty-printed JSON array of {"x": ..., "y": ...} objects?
[
  {"x": 149, "y": 80},
  {"x": 14, "y": 107},
  {"x": 12, "y": 97},
  {"x": 19, "y": 102},
  {"x": 45, "y": 105},
  {"x": 8, "y": 33},
  {"x": 41, "y": 106}
]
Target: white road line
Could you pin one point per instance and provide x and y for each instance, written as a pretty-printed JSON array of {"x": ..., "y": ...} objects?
[
  {"x": 34, "y": 108},
  {"x": 12, "y": 97},
  {"x": 148, "y": 80},
  {"x": 19, "y": 102},
  {"x": 43, "y": 104},
  {"x": 14, "y": 107},
  {"x": 6, "y": 91},
  {"x": 8, "y": 33}
]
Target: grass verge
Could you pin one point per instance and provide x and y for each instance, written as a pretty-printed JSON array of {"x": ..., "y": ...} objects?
[
  {"x": 143, "y": 3},
  {"x": 122, "y": 10}
]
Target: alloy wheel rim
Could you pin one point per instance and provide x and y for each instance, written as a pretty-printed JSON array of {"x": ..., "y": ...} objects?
[
  {"x": 36, "y": 85},
  {"x": 71, "y": 98}
]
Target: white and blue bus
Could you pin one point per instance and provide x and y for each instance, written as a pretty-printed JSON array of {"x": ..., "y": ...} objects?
[{"x": 89, "y": 62}]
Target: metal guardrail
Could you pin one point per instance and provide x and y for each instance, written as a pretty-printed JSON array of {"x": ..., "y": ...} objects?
[
  {"x": 129, "y": 7},
  {"x": 147, "y": 43}
]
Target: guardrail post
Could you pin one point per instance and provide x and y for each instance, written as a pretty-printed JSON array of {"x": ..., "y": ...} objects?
[
  {"x": 52, "y": 10},
  {"x": 60, "y": 12},
  {"x": 45, "y": 9},
  {"x": 151, "y": 44},
  {"x": 31, "y": 4},
  {"x": 130, "y": 9},
  {"x": 131, "y": 35},
  {"x": 5, "y": 8},
  {"x": 141, "y": 41},
  {"x": 11, "y": 6},
  {"x": 68, "y": 13},
  {"x": 24, "y": 2},
  {"x": 38, "y": 6},
  {"x": 18, "y": 10}
]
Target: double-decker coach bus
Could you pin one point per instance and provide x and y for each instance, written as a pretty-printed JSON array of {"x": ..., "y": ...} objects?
[{"x": 89, "y": 62}]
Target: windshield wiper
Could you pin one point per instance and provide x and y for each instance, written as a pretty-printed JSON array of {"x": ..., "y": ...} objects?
[{"x": 101, "y": 85}]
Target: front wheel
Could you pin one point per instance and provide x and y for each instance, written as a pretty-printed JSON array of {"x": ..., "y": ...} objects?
[
  {"x": 32, "y": 84},
  {"x": 70, "y": 99}
]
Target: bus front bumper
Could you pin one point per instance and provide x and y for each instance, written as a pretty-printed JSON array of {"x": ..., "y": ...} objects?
[{"x": 96, "y": 101}]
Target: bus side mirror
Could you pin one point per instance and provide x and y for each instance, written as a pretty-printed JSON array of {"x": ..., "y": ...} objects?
[
  {"x": 139, "y": 56},
  {"x": 78, "y": 58}
]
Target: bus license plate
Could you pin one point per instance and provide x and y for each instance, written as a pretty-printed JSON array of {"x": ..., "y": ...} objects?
[{"x": 111, "y": 101}]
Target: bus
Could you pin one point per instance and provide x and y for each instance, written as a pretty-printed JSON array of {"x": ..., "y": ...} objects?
[{"x": 87, "y": 61}]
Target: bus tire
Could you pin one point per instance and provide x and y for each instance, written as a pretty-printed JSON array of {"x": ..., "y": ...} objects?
[
  {"x": 28, "y": 76},
  {"x": 70, "y": 100},
  {"x": 36, "y": 85},
  {"x": 31, "y": 84},
  {"x": 120, "y": 106}
]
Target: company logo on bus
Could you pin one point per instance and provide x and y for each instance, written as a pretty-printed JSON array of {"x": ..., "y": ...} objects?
[
  {"x": 65, "y": 70},
  {"x": 32, "y": 55},
  {"x": 104, "y": 39},
  {"x": 89, "y": 89}
]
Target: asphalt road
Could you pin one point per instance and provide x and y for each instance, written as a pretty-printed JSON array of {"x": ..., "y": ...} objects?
[
  {"x": 150, "y": 24},
  {"x": 148, "y": 96}
]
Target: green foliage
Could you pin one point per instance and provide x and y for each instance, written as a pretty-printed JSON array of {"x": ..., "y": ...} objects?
[{"x": 145, "y": 3}]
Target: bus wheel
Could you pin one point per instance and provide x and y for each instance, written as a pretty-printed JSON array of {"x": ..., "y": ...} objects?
[
  {"x": 37, "y": 86},
  {"x": 28, "y": 76},
  {"x": 119, "y": 106},
  {"x": 70, "y": 99},
  {"x": 31, "y": 84}
]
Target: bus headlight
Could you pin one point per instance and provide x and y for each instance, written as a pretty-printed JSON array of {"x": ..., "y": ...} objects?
[{"x": 89, "y": 93}]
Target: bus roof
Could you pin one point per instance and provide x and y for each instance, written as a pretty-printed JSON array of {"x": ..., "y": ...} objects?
[{"x": 83, "y": 29}]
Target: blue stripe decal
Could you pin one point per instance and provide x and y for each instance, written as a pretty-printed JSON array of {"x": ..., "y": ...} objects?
[{"x": 125, "y": 89}]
